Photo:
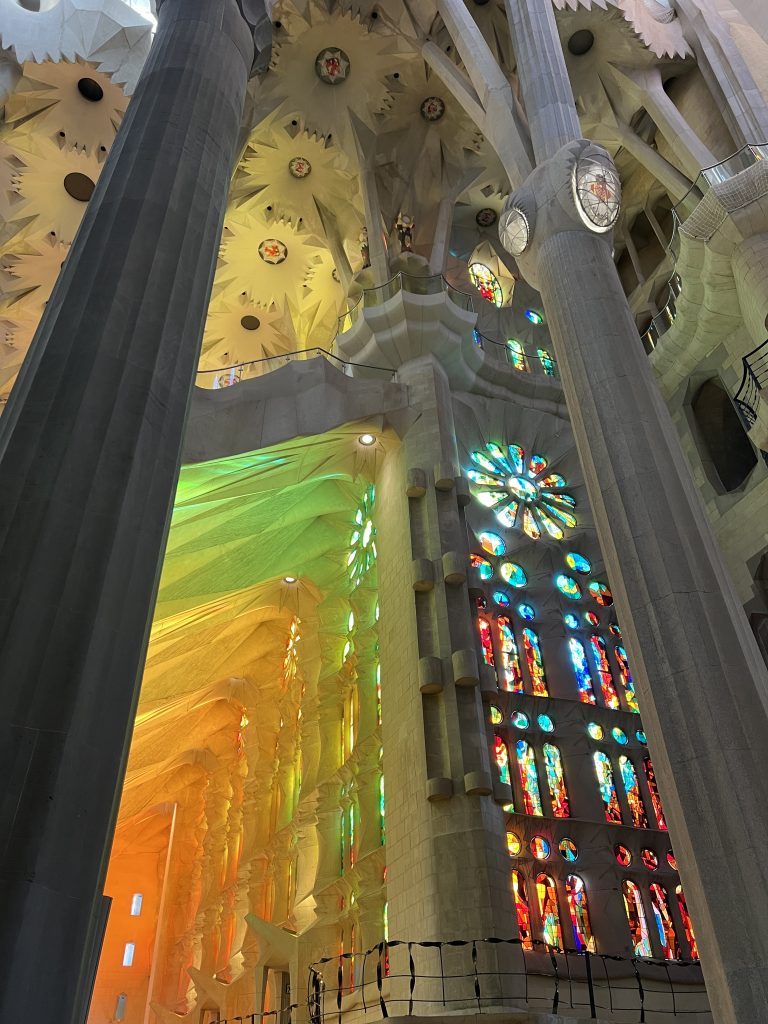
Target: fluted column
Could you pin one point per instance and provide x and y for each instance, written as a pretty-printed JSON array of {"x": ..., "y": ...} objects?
[{"x": 89, "y": 456}]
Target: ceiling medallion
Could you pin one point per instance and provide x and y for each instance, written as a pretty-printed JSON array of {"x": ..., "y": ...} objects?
[
  {"x": 597, "y": 192},
  {"x": 273, "y": 251},
  {"x": 514, "y": 231},
  {"x": 332, "y": 66},
  {"x": 433, "y": 108},
  {"x": 486, "y": 217},
  {"x": 300, "y": 167}
]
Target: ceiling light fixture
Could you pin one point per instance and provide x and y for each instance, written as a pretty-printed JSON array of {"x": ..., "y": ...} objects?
[
  {"x": 367, "y": 440},
  {"x": 289, "y": 579}
]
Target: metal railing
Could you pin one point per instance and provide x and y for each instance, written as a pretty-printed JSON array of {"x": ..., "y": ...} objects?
[
  {"x": 753, "y": 379},
  {"x": 226, "y": 376},
  {"x": 403, "y": 282},
  {"x": 519, "y": 357}
]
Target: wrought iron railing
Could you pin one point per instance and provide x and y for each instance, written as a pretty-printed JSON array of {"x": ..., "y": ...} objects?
[
  {"x": 413, "y": 284},
  {"x": 226, "y": 376},
  {"x": 753, "y": 379},
  {"x": 519, "y": 356}
]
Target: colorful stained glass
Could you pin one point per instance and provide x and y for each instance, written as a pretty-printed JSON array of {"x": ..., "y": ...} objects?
[
  {"x": 578, "y": 563},
  {"x": 501, "y": 598},
  {"x": 378, "y": 693},
  {"x": 513, "y": 574},
  {"x": 568, "y": 850},
  {"x": 530, "y": 526},
  {"x": 492, "y": 543},
  {"x": 592, "y": 619},
  {"x": 601, "y": 593},
  {"x": 664, "y": 924},
  {"x": 523, "y": 910},
  {"x": 529, "y": 780},
  {"x": 496, "y": 716},
  {"x": 547, "y": 362},
  {"x": 638, "y": 929},
  {"x": 486, "y": 282},
  {"x": 535, "y": 663},
  {"x": 623, "y": 856},
  {"x": 511, "y": 676},
  {"x": 514, "y": 846},
  {"x": 501, "y": 756},
  {"x": 517, "y": 355},
  {"x": 632, "y": 789},
  {"x": 553, "y": 482},
  {"x": 540, "y": 848},
  {"x": 519, "y": 720},
  {"x": 604, "y": 771},
  {"x": 536, "y": 465},
  {"x": 620, "y": 736},
  {"x": 600, "y": 654},
  {"x": 626, "y": 678},
  {"x": 653, "y": 789},
  {"x": 527, "y": 612},
  {"x": 672, "y": 860},
  {"x": 362, "y": 542},
  {"x": 352, "y": 849},
  {"x": 583, "y": 939},
  {"x": 581, "y": 671},
  {"x": 549, "y": 911},
  {"x": 595, "y": 731},
  {"x": 687, "y": 924},
  {"x": 568, "y": 587},
  {"x": 614, "y": 630},
  {"x": 545, "y": 723},
  {"x": 571, "y": 621},
  {"x": 641, "y": 737},
  {"x": 486, "y": 642},
  {"x": 483, "y": 566},
  {"x": 649, "y": 859},
  {"x": 382, "y": 810},
  {"x": 558, "y": 794}
]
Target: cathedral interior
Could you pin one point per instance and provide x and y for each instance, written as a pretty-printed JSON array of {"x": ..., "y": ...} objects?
[{"x": 383, "y": 482}]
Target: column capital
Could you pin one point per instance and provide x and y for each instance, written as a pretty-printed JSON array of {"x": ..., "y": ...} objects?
[{"x": 256, "y": 17}]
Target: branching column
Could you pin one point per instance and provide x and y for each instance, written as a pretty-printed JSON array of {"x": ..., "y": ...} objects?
[{"x": 89, "y": 455}]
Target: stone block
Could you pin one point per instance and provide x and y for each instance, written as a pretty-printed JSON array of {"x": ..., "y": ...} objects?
[
  {"x": 430, "y": 675},
  {"x": 439, "y": 789},
  {"x": 477, "y": 784},
  {"x": 422, "y": 574},
  {"x": 445, "y": 476},
  {"x": 502, "y": 792},
  {"x": 416, "y": 483},
  {"x": 463, "y": 497},
  {"x": 454, "y": 568},
  {"x": 465, "y": 671},
  {"x": 488, "y": 686}
]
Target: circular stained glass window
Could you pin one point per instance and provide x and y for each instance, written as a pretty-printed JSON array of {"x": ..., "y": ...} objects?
[
  {"x": 486, "y": 217},
  {"x": 597, "y": 192},
  {"x": 273, "y": 251},
  {"x": 432, "y": 108},
  {"x": 614, "y": 630},
  {"x": 513, "y": 574},
  {"x": 483, "y": 566},
  {"x": 540, "y": 848},
  {"x": 619, "y": 735},
  {"x": 332, "y": 66},
  {"x": 595, "y": 731},
  {"x": 514, "y": 846},
  {"x": 568, "y": 587},
  {"x": 650, "y": 859},
  {"x": 526, "y": 611},
  {"x": 514, "y": 231},
  {"x": 546, "y": 723},
  {"x": 601, "y": 593},
  {"x": 592, "y": 619},
  {"x": 568, "y": 849},
  {"x": 496, "y": 716},
  {"x": 501, "y": 599},
  {"x": 492, "y": 543},
  {"x": 672, "y": 860},
  {"x": 641, "y": 737},
  {"x": 520, "y": 720},
  {"x": 571, "y": 621},
  {"x": 578, "y": 563},
  {"x": 623, "y": 856},
  {"x": 486, "y": 282},
  {"x": 299, "y": 167}
]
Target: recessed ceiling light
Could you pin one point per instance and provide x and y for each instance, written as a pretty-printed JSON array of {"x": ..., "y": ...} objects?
[
  {"x": 289, "y": 579},
  {"x": 367, "y": 440}
]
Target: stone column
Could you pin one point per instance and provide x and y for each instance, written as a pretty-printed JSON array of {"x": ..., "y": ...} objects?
[{"x": 89, "y": 454}]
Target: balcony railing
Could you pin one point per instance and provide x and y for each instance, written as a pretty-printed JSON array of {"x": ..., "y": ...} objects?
[
  {"x": 412, "y": 284},
  {"x": 226, "y": 376},
  {"x": 754, "y": 378},
  {"x": 521, "y": 357}
]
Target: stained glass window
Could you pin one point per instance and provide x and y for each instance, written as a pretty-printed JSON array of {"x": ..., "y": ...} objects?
[
  {"x": 547, "y": 362},
  {"x": 592, "y": 619},
  {"x": 672, "y": 860},
  {"x": 545, "y": 723},
  {"x": 601, "y": 593},
  {"x": 649, "y": 859},
  {"x": 571, "y": 621},
  {"x": 638, "y": 929},
  {"x": 568, "y": 850},
  {"x": 623, "y": 856},
  {"x": 595, "y": 731},
  {"x": 614, "y": 630},
  {"x": 483, "y": 566},
  {"x": 527, "y": 612},
  {"x": 653, "y": 789},
  {"x": 517, "y": 355},
  {"x": 600, "y": 654},
  {"x": 496, "y": 716},
  {"x": 568, "y": 586},
  {"x": 620, "y": 736},
  {"x": 540, "y": 848},
  {"x": 511, "y": 674},
  {"x": 514, "y": 846},
  {"x": 549, "y": 911},
  {"x": 492, "y": 543},
  {"x": 687, "y": 925},
  {"x": 513, "y": 574},
  {"x": 604, "y": 772},
  {"x": 578, "y": 563},
  {"x": 522, "y": 908},
  {"x": 486, "y": 283},
  {"x": 632, "y": 788},
  {"x": 501, "y": 756},
  {"x": 553, "y": 764},
  {"x": 583, "y": 939},
  {"x": 626, "y": 678},
  {"x": 501, "y": 598},
  {"x": 535, "y": 663},
  {"x": 641, "y": 737},
  {"x": 664, "y": 924},
  {"x": 529, "y": 780},
  {"x": 520, "y": 720},
  {"x": 484, "y": 629},
  {"x": 581, "y": 671}
]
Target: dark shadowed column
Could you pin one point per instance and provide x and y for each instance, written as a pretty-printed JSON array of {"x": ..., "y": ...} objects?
[{"x": 89, "y": 456}]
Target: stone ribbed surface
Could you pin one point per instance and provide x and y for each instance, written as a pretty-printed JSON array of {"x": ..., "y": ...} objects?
[{"x": 89, "y": 453}]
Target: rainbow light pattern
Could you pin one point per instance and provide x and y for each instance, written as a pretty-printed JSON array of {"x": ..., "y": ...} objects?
[
  {"x": 553, "y": 764},
  {"x": 529, "y": 780},
  {"x": 638, "y": 929},
  {"x": 511, "y": 674},
  {"x": 653, "y": 789},
  {"x": 632, "y": 789},
  {"x": 661, "y": 912},
  {"x": 576, "y": 894},
  {"x": 549, "y": 911},
  {"x": 501, "y": 756},
  {"x": 519, "y": 493},
  {"x": 535, "y": 663},
  {"x": 581, "y": 671},
  {"x": 486, "y": 282},
  {"x": 626, "y": 678},
  {"x": 600, "y": 654},
  {"x": 604, "y": 772},
  {"x": 522, "y": 909}
]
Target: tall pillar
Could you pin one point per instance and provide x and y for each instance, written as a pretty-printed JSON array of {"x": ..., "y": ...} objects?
[
  {"x": 89, "y": 454},
  {"x": 700, "y": 679}
]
